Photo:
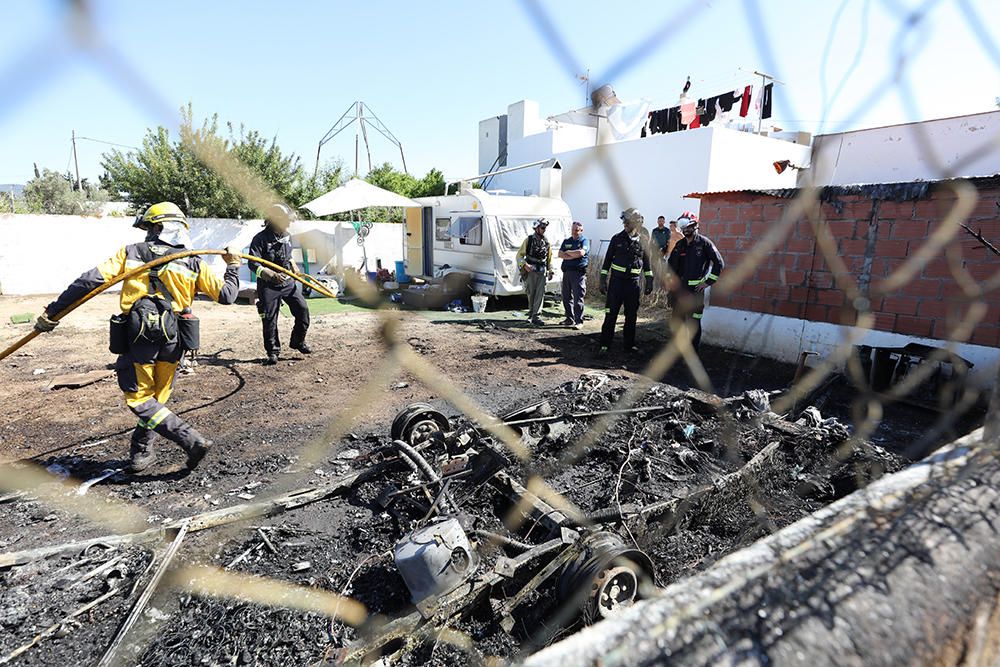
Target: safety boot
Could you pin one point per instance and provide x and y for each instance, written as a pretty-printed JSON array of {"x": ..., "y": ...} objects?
[
  {"x": 301, "y": 347},
  {"x": 272, "y": 359},
  {"x": 194, "y": 444},
  {"x": 141, "y": 454}
]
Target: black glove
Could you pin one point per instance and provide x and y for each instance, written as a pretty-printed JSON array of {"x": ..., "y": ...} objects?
[
  {"x": 604, "y": 284},
  {"x": 272, "y": 276},
  {"x": 44, "y": 324},
  {"x": 649, "y": 286}
]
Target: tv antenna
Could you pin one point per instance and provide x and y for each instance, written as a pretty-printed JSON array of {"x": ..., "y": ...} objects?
[{"x": 361, "y": 117}]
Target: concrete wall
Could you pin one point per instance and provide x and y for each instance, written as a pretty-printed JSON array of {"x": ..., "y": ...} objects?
[
  {"x": 791, "y": 302},
  {"x": 928, "y": 150},
  {"x": 42, "y": 254}
]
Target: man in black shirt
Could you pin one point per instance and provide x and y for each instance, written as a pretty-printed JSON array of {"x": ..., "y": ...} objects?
[
  {"x": 625, "y": 263},
  {"x": 275, "y": 245},
  {"x": 697, "y": 264}
]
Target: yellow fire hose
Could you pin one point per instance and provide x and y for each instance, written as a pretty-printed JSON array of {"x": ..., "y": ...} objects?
[{"x": 305, "y": 280}]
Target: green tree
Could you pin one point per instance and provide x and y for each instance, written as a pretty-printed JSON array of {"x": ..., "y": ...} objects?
[
  {"x": 55, "y": 193},
  {"x": 196, "y": 170},
  {"x": 389, "y": 178}
]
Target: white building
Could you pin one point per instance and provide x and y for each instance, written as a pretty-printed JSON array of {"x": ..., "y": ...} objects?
[{"x": 605, "y": 171}]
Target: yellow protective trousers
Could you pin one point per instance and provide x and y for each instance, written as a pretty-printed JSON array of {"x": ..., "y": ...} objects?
[{"x": 146, "y": 377}]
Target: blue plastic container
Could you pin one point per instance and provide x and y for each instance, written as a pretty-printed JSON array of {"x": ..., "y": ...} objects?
[{"x": 401, "y": 276}]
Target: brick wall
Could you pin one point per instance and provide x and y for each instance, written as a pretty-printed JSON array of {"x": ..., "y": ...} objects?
[{"x": 795, "y": 280}]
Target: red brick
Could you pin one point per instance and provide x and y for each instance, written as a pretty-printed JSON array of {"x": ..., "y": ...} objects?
[
  {"x": 915, "y": 326},
  {"x": 937, "y": 268},
  {"x": 795, "y": 277},
  {"x": 842, "y": 229},
  {"x": 725, "y": 243},
  {"x": 799, "y": 245},
  {"x": 779, "y": 292},
  {"x": 750, "y": 213},
  {"x": 891, "y": 248},
  {"x": 927, "y": 210},
  {"x": 768, "y": 276},
  {"x": 830, "y": 297},
  {"x": 849, "y": 247},
  {"x": 788, "y": 309},
  {"x": 760, "y": 305},
  {"x": 788, "y": 261},
  {"x": 798, "y": 294},
  {"x": 921, "y": 287},
  {"x": 820, "y": 280},
  {"x": 936, "y": 308},
  {"x": 899, "y": 305},
  {"x": 986, "y": 336},
  {"x": 752, "y": 289},
  {"x": 816, "y": 312},
  {"x": 910, "y": 230},
  {"x": 893, "y": 210},
  {"x": 885, "y": 322},
  {"x": 729, "y": 214}
]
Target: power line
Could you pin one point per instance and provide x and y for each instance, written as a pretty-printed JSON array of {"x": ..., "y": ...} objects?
[{"x": 109, "y": 143}]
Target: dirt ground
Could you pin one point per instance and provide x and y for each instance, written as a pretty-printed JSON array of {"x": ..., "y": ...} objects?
[{"x": 259, "y": 417}]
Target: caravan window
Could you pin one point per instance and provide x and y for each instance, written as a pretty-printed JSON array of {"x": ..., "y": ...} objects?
[
  {"x": 442, "y": 229},
  {"x": 469, "y": 231}
]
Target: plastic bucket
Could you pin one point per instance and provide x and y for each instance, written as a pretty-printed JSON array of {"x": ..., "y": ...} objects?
[
  {"x": 479, "y": 303},
  {"x": 401, "y": 276}
]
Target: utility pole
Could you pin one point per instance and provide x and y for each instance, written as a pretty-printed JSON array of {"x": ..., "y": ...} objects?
[{"x": 76, "y": 164}]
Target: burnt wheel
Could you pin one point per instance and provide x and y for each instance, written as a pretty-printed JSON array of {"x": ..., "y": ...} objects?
[{"x": 417, "y": 422}]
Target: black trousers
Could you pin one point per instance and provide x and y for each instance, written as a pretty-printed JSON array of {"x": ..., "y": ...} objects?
[
  {"x": 269, "y": 298},
  {"x": 621, "y": 292},
  {"x": 687, "y": 309}
]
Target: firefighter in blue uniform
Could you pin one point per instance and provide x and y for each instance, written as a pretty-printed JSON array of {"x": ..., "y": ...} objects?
[
  {"x": 696, "y": 264},
  {"x": 625, "y": 264},
  {"x": 275, "y": 245}
]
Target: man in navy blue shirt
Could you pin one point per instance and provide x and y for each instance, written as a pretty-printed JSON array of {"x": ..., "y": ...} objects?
[{"x": 575, "y": 254}]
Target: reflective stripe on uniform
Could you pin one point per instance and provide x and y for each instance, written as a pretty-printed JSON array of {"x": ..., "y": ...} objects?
[
  {"x": 604, "y": 272},
  {"x": 712, "y": 276},
  {"x": 133, "y": 264},
  {"x": 619, "y": 268},
  {"x": 257, "y": 272},
  {"x": 697, "y": 316},
  {"x": 155, "y": 420},
  {"x": 696, "y": 282},
  {"x": 648, "y": 274},
  {"x": 179, "y": 270},
  {"x": 636, "y": 271}
]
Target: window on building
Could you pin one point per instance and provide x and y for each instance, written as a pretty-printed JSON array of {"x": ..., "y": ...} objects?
[
  {"x": 602, "y": 210},
  {"x": 442, "y": 229},
  {"x": 469, "y": 231}
]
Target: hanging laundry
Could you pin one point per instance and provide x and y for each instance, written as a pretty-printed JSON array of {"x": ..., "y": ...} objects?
[
  {"x": 687, "y": 113},
  {"x": 710, "y": 110},
  {"x": 765, "y": 108},
  {"x": 695, "y": 122},
  {"x": 745, "y": 102},
  {"x": 673, "y": 119},
  {"x": 726, "y": 101}
]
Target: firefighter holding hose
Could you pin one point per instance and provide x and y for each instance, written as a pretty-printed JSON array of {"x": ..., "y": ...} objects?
[{"x": 155, "y": 326}]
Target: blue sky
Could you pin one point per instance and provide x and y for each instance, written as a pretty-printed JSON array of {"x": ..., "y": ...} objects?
[{"x": 432, "y": 70}]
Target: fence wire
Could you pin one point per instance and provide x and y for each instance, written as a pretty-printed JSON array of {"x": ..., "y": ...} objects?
[{"x": 78, "y": 34}]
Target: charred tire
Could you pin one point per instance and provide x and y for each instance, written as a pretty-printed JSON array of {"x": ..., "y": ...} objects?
[
  {"x": 604, "y": 578},
  {"x": 417, "y": 422}
]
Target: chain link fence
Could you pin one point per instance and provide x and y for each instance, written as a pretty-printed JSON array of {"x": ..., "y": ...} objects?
[{"x": 742, "y": 484}]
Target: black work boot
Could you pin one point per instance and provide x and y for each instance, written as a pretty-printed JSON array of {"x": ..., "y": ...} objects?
[
  {"x": 272, "y": 359},
  {"x": 141, "y": 454},
  {"x": 301, "y": 347},
  {"x": 195, "y": 445}
]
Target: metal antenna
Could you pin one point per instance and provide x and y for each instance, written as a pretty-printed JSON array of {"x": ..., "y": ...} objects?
[{"x": 361, "y": 117}]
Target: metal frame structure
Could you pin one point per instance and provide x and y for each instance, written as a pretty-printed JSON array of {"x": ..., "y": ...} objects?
[{"x": 360, "y": 116}]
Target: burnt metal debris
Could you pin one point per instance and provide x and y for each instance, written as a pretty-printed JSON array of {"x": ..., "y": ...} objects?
[{"x": 461, "y": 551}]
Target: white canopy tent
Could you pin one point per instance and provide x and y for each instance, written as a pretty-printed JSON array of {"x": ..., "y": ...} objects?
[{"x": 354, "y": 195}]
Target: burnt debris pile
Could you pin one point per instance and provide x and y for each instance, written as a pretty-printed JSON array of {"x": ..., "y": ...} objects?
[{"x": 461, "y": 548}]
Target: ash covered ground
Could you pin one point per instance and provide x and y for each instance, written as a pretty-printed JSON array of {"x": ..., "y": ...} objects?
[{"x": 687, "y": 445}]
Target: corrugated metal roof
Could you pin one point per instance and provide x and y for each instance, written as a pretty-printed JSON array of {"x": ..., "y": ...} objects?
[{"x": 888, "y": 191}]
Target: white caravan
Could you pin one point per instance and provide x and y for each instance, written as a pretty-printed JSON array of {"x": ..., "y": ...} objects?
[{"x": 479, "y": 232}]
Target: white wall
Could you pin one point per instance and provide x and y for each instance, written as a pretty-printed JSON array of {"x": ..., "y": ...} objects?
[
  {"x": 928, "y": 150},
  {"x": 337, "y": 241},
  {"x": 653, "y": 173},
  {"x": 783, "y": 338}
]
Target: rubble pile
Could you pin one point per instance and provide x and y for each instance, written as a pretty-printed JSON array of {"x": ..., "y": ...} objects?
[{"x": 461, "y": 551}]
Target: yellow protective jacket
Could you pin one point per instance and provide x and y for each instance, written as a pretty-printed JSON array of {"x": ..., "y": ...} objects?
[{"x": 184, "y": 278}]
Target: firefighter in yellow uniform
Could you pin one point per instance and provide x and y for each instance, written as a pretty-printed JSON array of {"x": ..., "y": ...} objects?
[{"x": 146, "y": 335}]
